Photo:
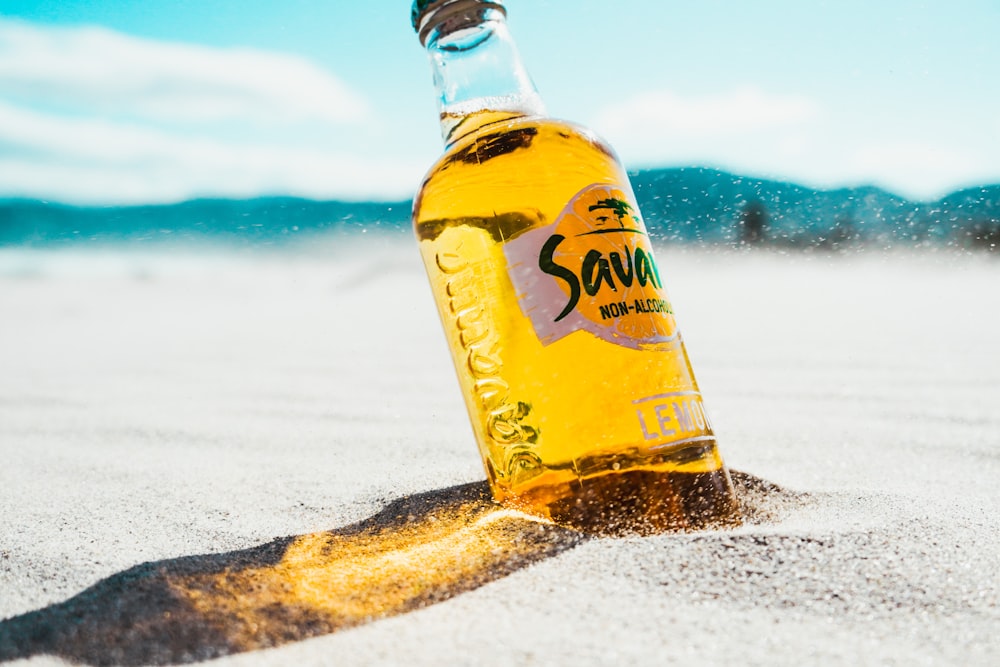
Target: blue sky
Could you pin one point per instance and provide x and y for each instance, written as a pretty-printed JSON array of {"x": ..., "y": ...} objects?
[{"x": 155, "y": 101}]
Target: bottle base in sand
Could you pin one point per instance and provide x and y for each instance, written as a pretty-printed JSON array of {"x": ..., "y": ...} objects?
[{"x": 633, "y": 501}]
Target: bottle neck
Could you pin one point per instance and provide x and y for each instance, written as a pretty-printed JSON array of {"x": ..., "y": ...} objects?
[{"x": 478, "y": 72}]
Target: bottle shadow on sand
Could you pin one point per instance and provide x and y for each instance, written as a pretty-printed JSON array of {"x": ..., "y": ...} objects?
[{"x": 418, "y": 551}]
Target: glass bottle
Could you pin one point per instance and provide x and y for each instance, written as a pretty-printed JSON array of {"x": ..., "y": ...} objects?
[{"x": 575, "y": 377}]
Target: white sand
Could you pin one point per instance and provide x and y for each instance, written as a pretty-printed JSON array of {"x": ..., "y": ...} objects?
[{"x": 175, "y": 403}]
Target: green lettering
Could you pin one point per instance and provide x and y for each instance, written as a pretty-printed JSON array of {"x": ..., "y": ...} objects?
[
  {"x": 595, "y": 271},
  {"x": 547, "y": 264}
]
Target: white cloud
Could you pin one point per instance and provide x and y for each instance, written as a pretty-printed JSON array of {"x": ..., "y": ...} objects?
[
  {"x": 921, "y": 169},
  {"x": 741, "y": 110},
  {"x": 93, "y": 69},
  {"x": 96, "y": 161},
  {"x": 91, "y": 116},
  {"x": 788, "y": 137},
  {"x": 745, "y": 130}
]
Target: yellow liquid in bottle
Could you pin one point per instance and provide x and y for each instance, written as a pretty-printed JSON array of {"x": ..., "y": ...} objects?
[{"x": 599, "y": 436}]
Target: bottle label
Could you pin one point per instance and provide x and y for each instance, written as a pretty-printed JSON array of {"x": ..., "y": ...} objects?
[{"x": 593, "y": 270}]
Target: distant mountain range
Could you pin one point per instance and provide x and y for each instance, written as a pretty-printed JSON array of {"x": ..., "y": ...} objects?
[
  {"x": 254, "y": 221},
  {"x": 710, "y": 206},
  {"x": 689, "y": 205}
]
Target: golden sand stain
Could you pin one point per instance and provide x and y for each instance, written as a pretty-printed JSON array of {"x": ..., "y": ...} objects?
[
  {"x": 343, "y": 580},
  {"x": 419, "y": 550}
]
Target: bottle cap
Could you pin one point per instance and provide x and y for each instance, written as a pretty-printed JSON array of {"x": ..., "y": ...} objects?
[{"x": 426, "y": 14}]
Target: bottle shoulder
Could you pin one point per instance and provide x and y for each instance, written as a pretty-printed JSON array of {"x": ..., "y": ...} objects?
[
  {"x": 537, "y": 128},
  {"x": 524, "y": 148},
  {"x": 528, "y": 167}
]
